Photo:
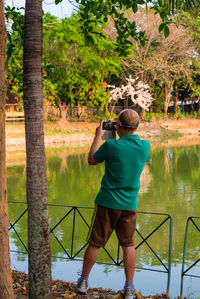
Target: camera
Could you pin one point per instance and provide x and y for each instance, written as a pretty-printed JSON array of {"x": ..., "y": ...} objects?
[
  {"x": 110, "y": 132},
  {"x": 109, "y": 125}
]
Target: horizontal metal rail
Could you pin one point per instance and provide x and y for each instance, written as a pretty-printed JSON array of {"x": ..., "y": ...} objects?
[
  {"x": 185, "y": 271},
  {"x": 75, "y": 211}
]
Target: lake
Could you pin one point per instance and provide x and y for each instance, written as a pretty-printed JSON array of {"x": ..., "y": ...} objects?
[{"x": 170, "y": 184}]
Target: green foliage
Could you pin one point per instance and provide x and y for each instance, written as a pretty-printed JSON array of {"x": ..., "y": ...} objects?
[
  {"x": 97, "y": 12},
  {"x": 14, "y": 66},
  {"x": 149, "y": 116},
  {"x": 77, "y": 72},
  {"x": 15, "y": 35},
  {"x": 179, "y": 114},
  {"x": 192, "y": 23},
  {"x": 50, "y": 91},
  {"x": 106, "y": 116},
  {"x": 194, "y": 114},
  {"x": 78, "y": 67},
  {"x": 158, "y": 95},
  {"x": 164, "y": 12}
]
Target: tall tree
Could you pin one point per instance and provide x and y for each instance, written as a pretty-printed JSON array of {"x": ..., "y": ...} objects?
[
  {"x": 38, "y": 226},
  {"x": 75, "y": 73},
  {"x": 162, "y": 60},
  {"x": 6, "y": 288}
]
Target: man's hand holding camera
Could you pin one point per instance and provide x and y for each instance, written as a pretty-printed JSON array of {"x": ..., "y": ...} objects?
[
  {"x": 100, "y": 131},
  {"x": 95, "y": 145}
]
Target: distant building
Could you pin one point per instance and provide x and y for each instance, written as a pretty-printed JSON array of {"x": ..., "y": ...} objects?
[{"x": 186, "y": 106}]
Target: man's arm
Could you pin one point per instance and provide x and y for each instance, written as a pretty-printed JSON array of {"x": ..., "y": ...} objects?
[{"x": 95, "y": 144}]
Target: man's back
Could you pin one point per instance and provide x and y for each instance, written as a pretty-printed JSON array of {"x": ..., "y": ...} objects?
[{"x": 124, "y": 161}]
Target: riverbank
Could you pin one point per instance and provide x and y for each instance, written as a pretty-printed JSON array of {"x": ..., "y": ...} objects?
[
  {"x": 80, "y": 133},
  {"x": 63, "y": 290}
]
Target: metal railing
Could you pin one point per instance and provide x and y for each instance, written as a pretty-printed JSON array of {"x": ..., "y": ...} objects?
[
  {"x": 72, "y": 254},
  {"x": 167, "y": 268},
  {"x": 184, "y": 272}
]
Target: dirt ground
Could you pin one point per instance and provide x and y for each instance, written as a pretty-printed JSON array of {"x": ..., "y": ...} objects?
[
  {"x": 16, "y": 129},
  {"x": 75, "y": 133},
  {"x": 63, "y": 290}
]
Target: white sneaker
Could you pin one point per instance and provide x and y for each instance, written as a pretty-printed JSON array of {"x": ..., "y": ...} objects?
[
  {"x": 130, "y": 293},
  {"x": 82, "y": 285}
]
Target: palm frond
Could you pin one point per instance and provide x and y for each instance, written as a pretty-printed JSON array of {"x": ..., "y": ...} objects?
[
  {"x": 184, "y": 4},
  {"x": 191, "y": 4}
]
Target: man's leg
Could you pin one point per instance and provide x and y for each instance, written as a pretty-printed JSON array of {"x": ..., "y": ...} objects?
[
  {"x": 129, "y": 269},
  {"x": 101, "y": 229},
  {"x": 129, "y": 256},
  {"x": 89, "y": 260}
]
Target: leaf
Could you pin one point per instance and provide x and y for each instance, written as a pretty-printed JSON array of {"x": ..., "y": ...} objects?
[
  {"x": 166, "y": 31},
  {"x": 89, "y": 40},
  {"x": 90, "y": 28},
  {"x": 161, "y": 27},
  {"x": 141, "y": 2},
  {"x": 142, "y": 42},
  {"x": 58, "y": 1},
  {"x": 134, "y": 7},
  {"x": 162, "y": 15},
  {"x": 156, "y": 8},
  {"x": 82, "y": 15}
]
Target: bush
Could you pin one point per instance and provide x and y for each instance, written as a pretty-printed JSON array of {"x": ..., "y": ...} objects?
[
  {"x": 148, "y": 116},
  {"x": 194, "y": 114},
  {"x": 106, "y": 116},
  {"x": 180, "y": 114}
]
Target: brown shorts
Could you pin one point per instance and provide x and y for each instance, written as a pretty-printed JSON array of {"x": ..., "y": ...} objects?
[{"x": 105, "y": 220}]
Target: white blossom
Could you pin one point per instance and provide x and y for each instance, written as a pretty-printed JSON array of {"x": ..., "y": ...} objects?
[{"x": 136, "y": 90}]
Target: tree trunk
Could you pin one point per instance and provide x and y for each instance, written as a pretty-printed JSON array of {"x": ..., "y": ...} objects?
[
  {"x": 63, "y": 108},
  {"x": 6, "y": 286},
  {"x": 143, "y": 113},
  {"x": 175, "y": 161},
  {"x": 112, "y": 110},
  {"x": 167, "y": 99},
  {"x": 176, "y": 98},
  {"x": 38, "y": 226},
  {"x": 79, "y": 112},
  {"x": 166, "y": 164},
  {"x": 125, "y": 104}
]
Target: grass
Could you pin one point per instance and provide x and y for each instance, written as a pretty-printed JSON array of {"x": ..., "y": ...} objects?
[
  {"x": 170, "y": 134},
  {"x": 53, "y": 128}
]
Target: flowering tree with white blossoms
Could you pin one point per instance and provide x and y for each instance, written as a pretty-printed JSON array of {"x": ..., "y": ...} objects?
[{"x": 136, "y": 90}]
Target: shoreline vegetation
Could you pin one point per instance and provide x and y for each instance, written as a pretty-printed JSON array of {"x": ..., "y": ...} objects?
[{"x": 81, "y": 133}]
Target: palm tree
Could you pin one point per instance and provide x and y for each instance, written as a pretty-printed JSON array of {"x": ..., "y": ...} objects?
[
  {"x": 174, "y": 5},
  {"x": 185, "y": 4},
  {"x": 38, "y": 226},
  {"x": 6, "y": 287}
]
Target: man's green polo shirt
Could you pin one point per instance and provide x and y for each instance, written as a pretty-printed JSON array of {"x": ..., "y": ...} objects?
[{"x": 124, "y": 161}]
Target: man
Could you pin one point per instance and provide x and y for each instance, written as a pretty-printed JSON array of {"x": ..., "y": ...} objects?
[{"x": 116, "y": 202}]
